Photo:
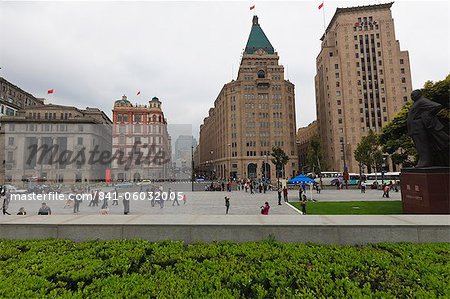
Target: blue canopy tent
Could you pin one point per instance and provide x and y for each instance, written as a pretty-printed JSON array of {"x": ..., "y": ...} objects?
[{"x": 301, "y": 179}]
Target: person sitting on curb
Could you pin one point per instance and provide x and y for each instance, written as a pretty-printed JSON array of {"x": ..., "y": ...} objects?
[
  {"x": 45, "y": 210},
  {"x": 265, "y": 208}
]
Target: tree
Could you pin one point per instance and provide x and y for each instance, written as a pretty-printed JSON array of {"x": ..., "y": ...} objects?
[
  {"x": 280, "y": 159},
  {"x": 314, "y": 156},
  {"x": 368, "y": 152},
  {"x": 394, "y": 137}
]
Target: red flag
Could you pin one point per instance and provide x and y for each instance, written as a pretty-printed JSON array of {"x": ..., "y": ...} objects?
[
  {"x": 138, "y": 93},
  {"x": 252, "y": 7},
  {"x": 49, "y": 91},
  {"x": 321, "y": 5}
]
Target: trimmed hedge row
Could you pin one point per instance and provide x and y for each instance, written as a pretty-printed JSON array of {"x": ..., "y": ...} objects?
[{"x": 141, "y": 269}]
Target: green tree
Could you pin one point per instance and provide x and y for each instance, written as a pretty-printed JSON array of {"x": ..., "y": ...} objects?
[
  {"x": 394, "y": 137},
  {"x": 280, "y": 159},
  {"x": 314, "y": 156},
  {"x": 368, "y": 152}
]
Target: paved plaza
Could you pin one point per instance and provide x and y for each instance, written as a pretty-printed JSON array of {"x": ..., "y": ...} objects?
[{"x": 203, "y": 202}]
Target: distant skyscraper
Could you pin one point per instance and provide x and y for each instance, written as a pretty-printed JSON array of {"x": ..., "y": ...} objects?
[
  {"x": 363, "y": 79},
  {"x": 183, "y": 147},
  {"x": 251, "y": 115}
]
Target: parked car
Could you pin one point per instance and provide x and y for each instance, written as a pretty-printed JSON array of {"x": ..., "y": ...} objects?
[{"x": 12, "y": 189}]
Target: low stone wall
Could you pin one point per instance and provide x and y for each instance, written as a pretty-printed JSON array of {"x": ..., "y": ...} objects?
[{"x": 342, "y": 229}]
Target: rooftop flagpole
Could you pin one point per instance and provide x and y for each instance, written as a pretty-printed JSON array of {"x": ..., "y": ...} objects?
[{"x": 321, "y": 6}]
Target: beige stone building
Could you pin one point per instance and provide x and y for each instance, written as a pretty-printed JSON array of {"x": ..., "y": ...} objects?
[
  {"x": 251, "y": 115},
  {"x": 304, "y": 135},
  {"x": 64, "y": 138},
  {"x": 363, "y": 79},
  {"x": 13, "y": 98}
]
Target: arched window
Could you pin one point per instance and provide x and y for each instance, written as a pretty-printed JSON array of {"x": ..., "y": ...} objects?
[{"x": 261, "y": 74}]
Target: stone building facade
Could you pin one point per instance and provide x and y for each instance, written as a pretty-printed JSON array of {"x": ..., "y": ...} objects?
[
  {"x": 251, "y": 115},
  {"x": 13, "y": 98},
  {"x": 304, "y": 135},
  {"x": 362, "y": 80},
  {"x": 52, "y": 143},
  {"x": 140, "y": 132}
]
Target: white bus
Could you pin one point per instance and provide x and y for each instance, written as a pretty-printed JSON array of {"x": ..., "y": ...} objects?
[
  {"x": 389, "y": 177},
  {"x": 327, "y": 177}
]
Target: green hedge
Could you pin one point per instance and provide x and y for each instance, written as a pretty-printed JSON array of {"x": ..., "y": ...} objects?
[{"x": 141, "y": 269}]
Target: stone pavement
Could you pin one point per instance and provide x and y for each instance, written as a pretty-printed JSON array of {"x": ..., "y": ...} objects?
[{"x": 205, "y": 203}]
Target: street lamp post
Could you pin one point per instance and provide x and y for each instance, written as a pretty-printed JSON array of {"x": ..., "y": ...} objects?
[
  {"x": 192, "y": 168},
  {"x": 229, "y": 162},
  {"x": 383, "y": 165},
  {"x": 211, "y": 152}
]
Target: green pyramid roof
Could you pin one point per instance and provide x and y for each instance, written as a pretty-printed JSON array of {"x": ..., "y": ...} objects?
[{"x": 258, "y": 40}]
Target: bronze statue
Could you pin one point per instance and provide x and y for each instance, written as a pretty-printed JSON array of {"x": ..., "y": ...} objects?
[{"x": 425, "y": 128}]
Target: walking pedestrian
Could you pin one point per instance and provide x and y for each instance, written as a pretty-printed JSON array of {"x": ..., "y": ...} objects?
[
  {"x": 105, "y": 203},
  {"x": 115, "y": 198},
  {"x": 303, "y": 204},
  {"x": 279, "y": 196},
  {"x": 5, "y": 205},
  {"x": 363, "y": 187},
  {"x": 285, "y": 194},
  {"x": 386, "y": 191},
  {"x": 227, "y": 204},
  {"x": 175, "y": 199},
  {"x": 318, "y": 188},
  {"x": 76, "y": 203}
]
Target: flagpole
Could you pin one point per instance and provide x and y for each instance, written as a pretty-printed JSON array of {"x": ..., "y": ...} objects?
[{"x": 324, "y": 23}]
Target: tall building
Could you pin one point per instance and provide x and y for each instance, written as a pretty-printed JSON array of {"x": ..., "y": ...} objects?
[
  {"x": 183, "y": 147},
  {"x": 183, "y": 154},
  {"x": 140, "y": 134},
  {"x": 54, "y": 143},
  {"x": 363, "y": 79},
  {"x": 304, "y": 135},
  {"x": 13, "y": 98},
  {"x": 251, "y": 115}
]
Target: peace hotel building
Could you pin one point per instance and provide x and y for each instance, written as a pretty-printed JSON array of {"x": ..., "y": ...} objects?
[
  {"x": 251, "y": 115},
  {"x": 363, "y": 79}
]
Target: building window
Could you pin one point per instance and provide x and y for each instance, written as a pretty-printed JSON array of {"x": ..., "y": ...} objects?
[
  {"x": 403, "y": 80},
  {"x": 261, "y": 74},
  {"x": 401, "y": 61},
  {"x": 80, "y": 141}
]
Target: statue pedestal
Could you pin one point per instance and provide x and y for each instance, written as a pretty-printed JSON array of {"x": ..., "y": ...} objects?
[{"x": 425, "y": 190}]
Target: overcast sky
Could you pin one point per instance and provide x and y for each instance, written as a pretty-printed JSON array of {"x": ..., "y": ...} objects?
[{"x": 91, "y": 53}]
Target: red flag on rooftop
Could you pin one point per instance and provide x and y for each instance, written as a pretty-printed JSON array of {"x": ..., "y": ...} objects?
[
  {"x": 49, "y": 91},
  {"x": 321, "y": 5},
  {"x": 252, "y": 7}
]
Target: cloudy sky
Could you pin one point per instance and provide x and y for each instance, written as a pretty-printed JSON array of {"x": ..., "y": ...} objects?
[{"x": 91, "y": 53}]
